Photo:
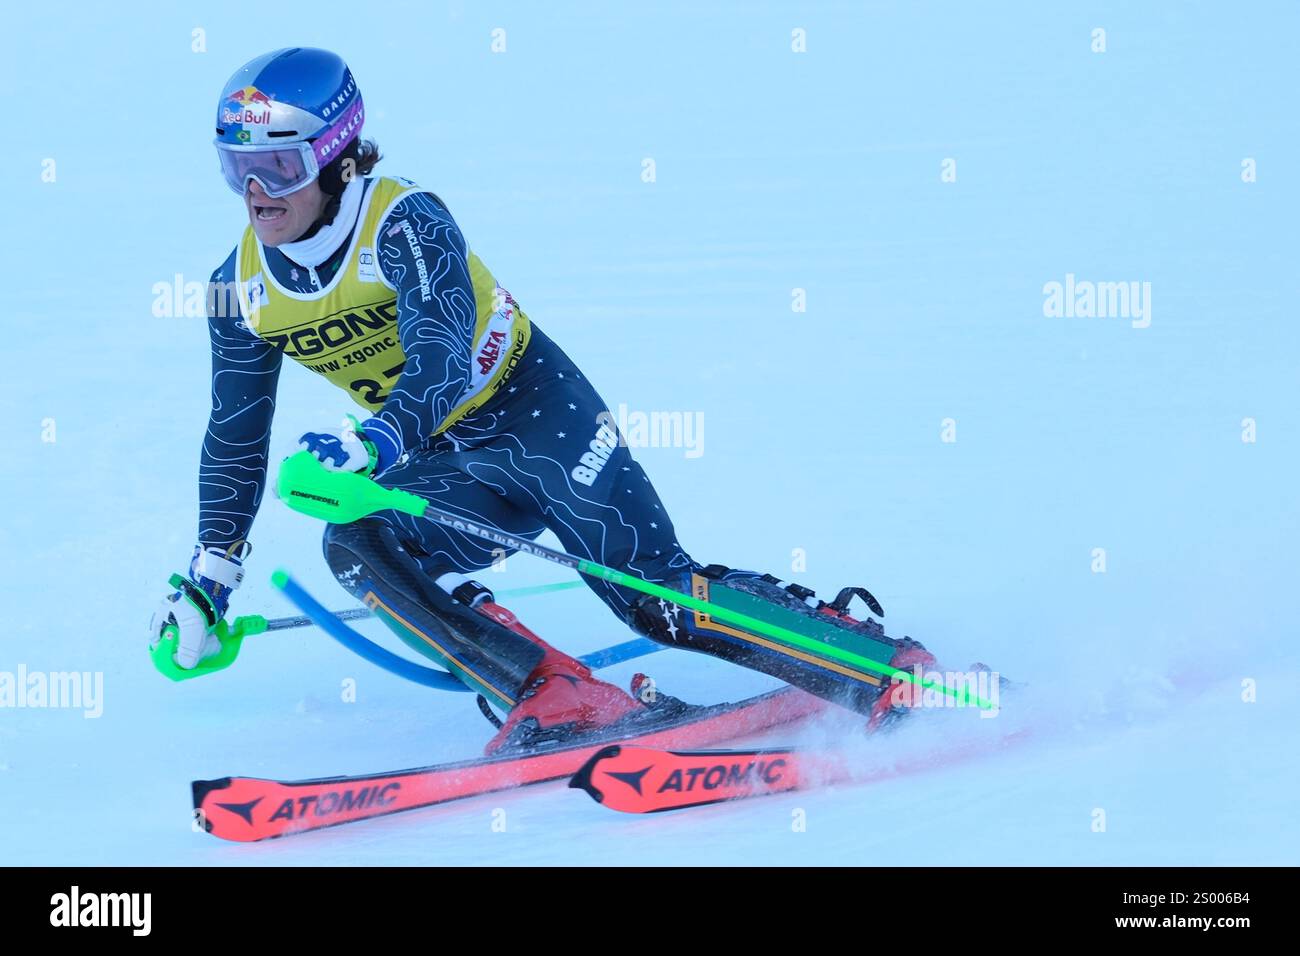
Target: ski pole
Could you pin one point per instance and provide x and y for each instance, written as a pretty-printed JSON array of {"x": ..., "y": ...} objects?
[
  {"x": 305, "y": 485},
  {"x": 332, "y": 624},
  {"x": 231, "y": 634},
  {"x": 360, "y": 613}
]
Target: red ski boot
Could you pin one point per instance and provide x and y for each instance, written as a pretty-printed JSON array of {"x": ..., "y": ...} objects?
[
  {"x": 900, "y": 696},
  {"x": 560, "y": 698}
]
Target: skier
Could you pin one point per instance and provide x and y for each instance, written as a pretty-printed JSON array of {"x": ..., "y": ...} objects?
[{"x": 367, "y": 281}]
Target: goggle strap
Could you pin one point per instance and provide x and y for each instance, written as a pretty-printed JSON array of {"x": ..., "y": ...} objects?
[{"x": 335, "y": 138}]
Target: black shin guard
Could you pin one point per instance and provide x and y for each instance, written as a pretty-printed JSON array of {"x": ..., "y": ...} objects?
[
  {"x": 369, "y": 561},
  {"x": 681, "y": 627}
]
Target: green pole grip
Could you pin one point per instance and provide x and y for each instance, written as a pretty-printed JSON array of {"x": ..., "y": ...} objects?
[
  {"x": 338, "y": 496},
  {"x": 229, "y": 635}
]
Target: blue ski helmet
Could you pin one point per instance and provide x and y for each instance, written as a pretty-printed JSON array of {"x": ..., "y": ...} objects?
[{"x": 284, "y": 117}]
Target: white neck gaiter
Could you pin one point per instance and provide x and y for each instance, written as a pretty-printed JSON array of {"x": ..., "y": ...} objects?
[{"x": 315, "y": 250}]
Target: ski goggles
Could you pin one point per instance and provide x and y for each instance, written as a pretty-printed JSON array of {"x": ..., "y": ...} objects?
[{"x": 279, "y": 170}]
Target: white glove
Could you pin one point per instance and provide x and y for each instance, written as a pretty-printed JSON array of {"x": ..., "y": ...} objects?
[
  {"x": 194, "y": 611},
  {"x": 195, "y": 640},
  {"x": 341, "y": 449}
]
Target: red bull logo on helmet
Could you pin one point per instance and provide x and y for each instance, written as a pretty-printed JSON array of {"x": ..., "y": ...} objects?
[
  {"x": 249, "y": 95},
  {"x": 256, "y": 107}
]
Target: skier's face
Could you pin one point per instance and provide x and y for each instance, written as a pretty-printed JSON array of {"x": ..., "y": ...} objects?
[{"x": 277, "y": 221}]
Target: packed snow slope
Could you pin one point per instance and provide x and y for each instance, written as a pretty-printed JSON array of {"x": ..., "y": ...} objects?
[{"x": 914, "y": 178}]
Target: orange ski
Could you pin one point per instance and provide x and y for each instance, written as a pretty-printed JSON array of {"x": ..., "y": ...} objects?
[
  {"x": 248, "y": 808},
  {"x": 638, "y": 779},
  {"x": 643, "y": 779}
]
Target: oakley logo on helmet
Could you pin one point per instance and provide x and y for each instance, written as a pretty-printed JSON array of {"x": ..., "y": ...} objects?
[
  {"x": 339, "y": 136},
  {"x": 344, "y": 95}
]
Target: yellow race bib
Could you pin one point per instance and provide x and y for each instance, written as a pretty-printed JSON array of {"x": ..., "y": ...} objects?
[{"x": 347, "y": 331}]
